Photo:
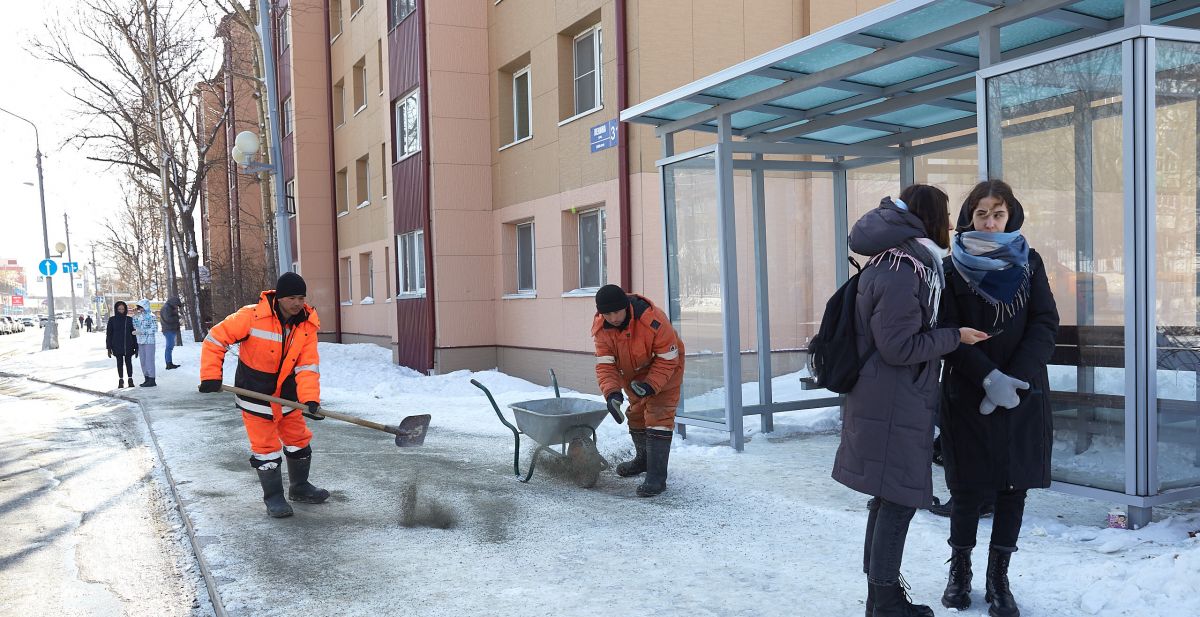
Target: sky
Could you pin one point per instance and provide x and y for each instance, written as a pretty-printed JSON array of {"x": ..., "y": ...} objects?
[{"x": 87, "y": 191}]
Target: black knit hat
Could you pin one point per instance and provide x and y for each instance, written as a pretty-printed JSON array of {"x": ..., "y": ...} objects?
[
  {"x": 290, "y": 284},
  {"x": 610, "y": 299}
]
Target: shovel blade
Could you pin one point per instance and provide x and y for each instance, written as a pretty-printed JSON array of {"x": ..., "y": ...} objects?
[{"x": 411, "y": 431}]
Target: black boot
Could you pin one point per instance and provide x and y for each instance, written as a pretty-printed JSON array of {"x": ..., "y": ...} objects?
[
  {"x": 658, "y": 453},
  {"x": 999, "y": 596},
  {"x": 120, "y": 384},
  {"x": 299, "y": 489},
  {"x": 893, "y": 601},
  {"x": 149, "y": 383},
  {"x": 958, "y": 587},
  {"x": 638, "y": 464},
  {"x": 272, "y": 484}
]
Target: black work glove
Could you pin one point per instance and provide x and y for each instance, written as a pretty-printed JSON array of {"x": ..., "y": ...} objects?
[
  {"x": 312, "y": 412},
  {"x": 614, "y": 400},
  {"x": 110, "y": 353},
  {"x": 135, "y": 352},
  {"x": 210, "y": 385},
  {"x": 641, "y": 388}
]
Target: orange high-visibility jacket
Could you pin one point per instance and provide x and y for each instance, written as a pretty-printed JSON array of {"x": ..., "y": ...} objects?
[
  {"x": 647, "y": 350},
  {"x": 273, "y": 360}
]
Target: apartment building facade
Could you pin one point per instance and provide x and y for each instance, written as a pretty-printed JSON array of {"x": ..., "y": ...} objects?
[{"x": 460, "y": 183}]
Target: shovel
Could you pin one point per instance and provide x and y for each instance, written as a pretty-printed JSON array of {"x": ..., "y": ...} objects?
[{"x": 410, "y": 432}]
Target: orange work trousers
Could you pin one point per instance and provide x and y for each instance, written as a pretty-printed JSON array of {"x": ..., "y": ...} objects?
[
  {"x": 657, "y": 411},
  {"x": 270, "y": 436}
]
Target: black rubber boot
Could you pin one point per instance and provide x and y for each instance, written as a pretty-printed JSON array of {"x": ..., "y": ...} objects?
[
  {"x": 638, "y": 464},
  {"x": 958, "y": 587},
  {"x": 272, "y": 484},
  {"x": 120, "y": 384},
  {"x": 893, "y": 601},
  {"x": 658, "y": 453},
  {"x": 299, "y": 488},
  {"x": 998, "y": 595},
  {"x": 149, "y": 383}
]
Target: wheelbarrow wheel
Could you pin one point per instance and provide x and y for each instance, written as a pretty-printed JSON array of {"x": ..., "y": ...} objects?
[{"x": 585, "y": 461}]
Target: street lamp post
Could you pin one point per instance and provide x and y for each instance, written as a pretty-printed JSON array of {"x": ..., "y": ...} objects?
[
  {"x": 50, "y": 336},
  {"x": 71, "y": 273}
]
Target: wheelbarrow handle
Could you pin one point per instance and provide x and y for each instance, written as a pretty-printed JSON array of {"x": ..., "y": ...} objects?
[{"x": 516, "y": 433}]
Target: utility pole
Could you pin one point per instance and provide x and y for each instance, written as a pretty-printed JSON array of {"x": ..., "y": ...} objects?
[
  {"x": 162, "y": 148},
  {"x": 95, "y": 284},
  {"x": 283, "y": 232},
  {"x": 74, "y": 316}
]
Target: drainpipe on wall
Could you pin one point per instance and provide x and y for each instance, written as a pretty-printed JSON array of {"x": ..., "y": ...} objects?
[
  {"x": 623, "y": 152},
  {"x": 337, "y": 265},
  {"x": 427, "y": 159}
]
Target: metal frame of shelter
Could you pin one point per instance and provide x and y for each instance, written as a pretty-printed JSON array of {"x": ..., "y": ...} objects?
[{"x": 905, "y": 80}]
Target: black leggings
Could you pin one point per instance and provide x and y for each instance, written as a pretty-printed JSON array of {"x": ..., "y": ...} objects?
[{"x": 128, "y": 365}]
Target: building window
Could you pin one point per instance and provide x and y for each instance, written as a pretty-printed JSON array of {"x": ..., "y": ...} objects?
[
  {"x": 347, "y": 284},
  {"x": 398, "y": 10},
  {"x": 362, "y": 180},
  {"x": 366, "y": 277},
  {"x": 339, "y": 193},
  {"x": 355, "y": 7},
  {"x": 335, "y": 19},
  {"x": 526, "y": 279},
  {"x": 387, "y": 271},
  {"x": 522, "y": 105},
  {"x": 284, "y": 27},
  {"x": 591, "y": 249},
  {"x": 408, "y": 124},
  {"x": 339, "y": 103},
  {"x": 289, "y": 194},
  {"x": 287, "y": 116},
  {"x": 587, "y": 70},
  {"x": 359, "y": 82},
  {"x": 379, "y": 66},
  {"x": 412, "y": 262}
]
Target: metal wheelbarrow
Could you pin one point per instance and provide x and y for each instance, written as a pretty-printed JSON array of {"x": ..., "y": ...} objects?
[{"x": 568, "y": 423}]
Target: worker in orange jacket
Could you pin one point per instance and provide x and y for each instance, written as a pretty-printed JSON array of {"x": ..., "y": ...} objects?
[
  {"x": 638, "y": 351},
  {"x": 278, "y": 356}
]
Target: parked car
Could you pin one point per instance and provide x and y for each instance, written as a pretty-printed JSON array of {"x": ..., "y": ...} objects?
[
  {"x": 27, "y": 322},
  {"x": 5, "y": 325},
  {"x": 14, "y": 325}
]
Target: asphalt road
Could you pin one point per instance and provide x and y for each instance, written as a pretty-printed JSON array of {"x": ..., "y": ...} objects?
[{"x": 86, "y": 524}]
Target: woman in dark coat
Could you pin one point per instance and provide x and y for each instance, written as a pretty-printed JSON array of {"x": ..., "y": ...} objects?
[
  {"x": 887, "y": 433},
  {"x": 996, "y": 423},
  {"x": 121, "y": 342}
]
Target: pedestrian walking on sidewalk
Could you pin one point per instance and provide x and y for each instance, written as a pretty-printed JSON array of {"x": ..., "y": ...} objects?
[
  {"x": 146, "y": 328},
  {"x": 638, "y": 352},
  {"x": 121, "y": 342},
  {"x": 169, "y": 316},
  {"x": 996, "y": 422},
  {"x": 88, "y": 322},
  {"x": 887, "y": 434},
  {"x": 278, "y": 357}
]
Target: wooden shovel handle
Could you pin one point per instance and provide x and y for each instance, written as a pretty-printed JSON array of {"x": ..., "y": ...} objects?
[{"x": 302, "y": 407}]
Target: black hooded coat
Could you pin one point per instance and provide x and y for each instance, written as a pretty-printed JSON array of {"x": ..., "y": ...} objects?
[
  {"x": 887, "y": 424},
  {"x": 1009, "y": 449},
  {"x": 120, "y": 338}
]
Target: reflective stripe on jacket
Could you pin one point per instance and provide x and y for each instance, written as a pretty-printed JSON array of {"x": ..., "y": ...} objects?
[
  {"x": 270, "y": 360},
  {"x": 646, "y": 349}
]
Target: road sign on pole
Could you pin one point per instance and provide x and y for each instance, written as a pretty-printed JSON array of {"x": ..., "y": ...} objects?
[
  {"x": 70, "y": 267},
  {"x": 47, "y": 267}
]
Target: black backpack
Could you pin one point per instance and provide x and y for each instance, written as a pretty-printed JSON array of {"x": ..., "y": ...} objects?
[{"x": 833, "y": 352}]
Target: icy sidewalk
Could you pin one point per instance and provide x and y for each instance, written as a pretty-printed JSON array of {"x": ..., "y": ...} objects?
[{"x": 765, "y": 532}]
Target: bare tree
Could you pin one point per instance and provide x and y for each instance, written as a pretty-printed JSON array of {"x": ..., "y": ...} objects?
[
  {"x": 132, "y": 242},
  {"x": 108, "y": 49}
]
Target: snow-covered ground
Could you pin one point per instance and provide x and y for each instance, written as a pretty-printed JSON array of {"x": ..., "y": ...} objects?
[{"x": 764, "y": 532}]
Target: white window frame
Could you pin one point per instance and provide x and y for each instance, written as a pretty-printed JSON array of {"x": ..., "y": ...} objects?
[
  {"x": 366, "y": 201},
  {"x": 532, "y": 257},
  {"x": 528, "y": 73},
  {"x": 597, "y": 60},
  {"x": 361, "y": 73},
  {"x": 370, "y": 278},
  {"x": 287, "y": 116},
  {"x": 341, "y": 26},
  {"x": 349, "y": 276},
  {"x": 339, "y": 89},
  {"x": 409, "y": 104},
  {"x": 284, "y": 27},
  {"x": 396, "y": 12},
  {"x": 411, "y": 246},
  {"x": 289, "y": 197},
  {"x": 603, "y": 256},
  {"x": 362, "y": 4}
]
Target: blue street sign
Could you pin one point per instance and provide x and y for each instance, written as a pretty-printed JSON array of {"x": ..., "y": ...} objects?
[
  {"x": 604, "y": 136},
  {"x": 47, "y": 267},
  {"x": 70, "y": 266}
]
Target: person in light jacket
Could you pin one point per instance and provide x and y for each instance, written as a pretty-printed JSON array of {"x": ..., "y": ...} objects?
[
  {"x": 997, "y": 433},
  {"x": 887, "y": 432},
  {"x": 146, "y": 328}
]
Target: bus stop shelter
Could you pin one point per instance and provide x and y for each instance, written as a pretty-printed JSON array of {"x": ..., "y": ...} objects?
[{"x": 1090, "y": 109}]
